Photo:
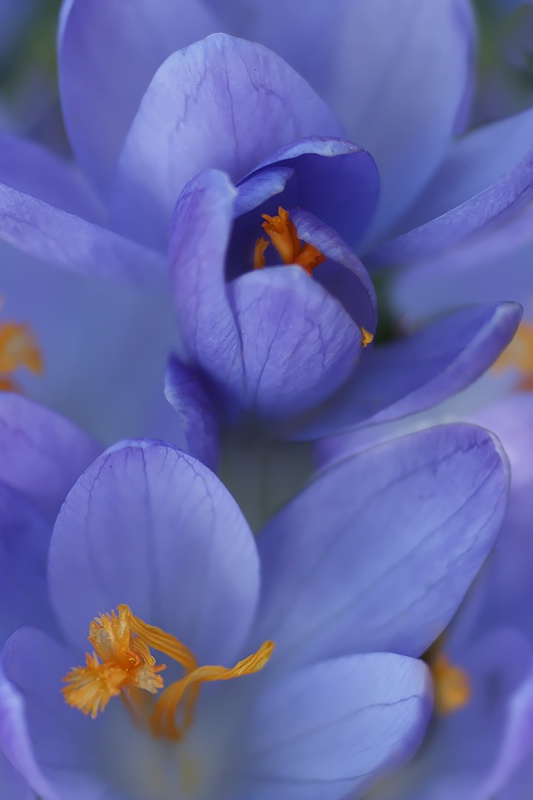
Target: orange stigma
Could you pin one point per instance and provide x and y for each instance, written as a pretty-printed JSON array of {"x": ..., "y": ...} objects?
[
  {"x": 18, "y": 348},
  {"x": 122, "y": 665},
  {"x": 283, "y": 235},
  {"x": 519, "y": 355},
  {"x": 451, "y": 684}
]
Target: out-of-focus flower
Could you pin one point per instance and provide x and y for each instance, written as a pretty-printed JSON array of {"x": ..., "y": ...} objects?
[
  {"x": 336, "y": 579},
  {"x": 140, "y": 136}
]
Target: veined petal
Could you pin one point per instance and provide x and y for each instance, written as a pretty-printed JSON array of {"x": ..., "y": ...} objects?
[
  {"x": 418, "y": 372},
  {"x": 377, "y": 552},
  {"x": 326, "y": 731},
  {"x": 151, "y": 527},
  {"x": 128, "y": 42},
  {"x": 41, "y": 453},
  {"x": 221, "y": 103},
  {"x": 53, "y": 235}
]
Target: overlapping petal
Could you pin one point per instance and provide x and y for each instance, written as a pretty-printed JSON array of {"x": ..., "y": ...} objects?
[
  {"x": 152, "y": 527},
  {"x": 368, "y": 713},
  {"x": 41, "y": 453},
  {"x": 378, "y": 551},
  {"x": 418, "y": 372},
  {"x": 94, "y": 46},
  {"x": 221, "y": 103}
]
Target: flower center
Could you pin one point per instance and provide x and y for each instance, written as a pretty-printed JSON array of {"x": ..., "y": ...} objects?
[
  {"x": 122, "y": 664},
  {"x": 283, "y": 235},
  {"x": 451, "y": 685},
  {"x": 519, "y": 355},
  {"x": 18, "y": 348}
]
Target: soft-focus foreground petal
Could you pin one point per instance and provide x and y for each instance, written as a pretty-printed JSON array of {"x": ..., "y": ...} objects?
[
  {"x": 28, "y": 167},
  {"x": 378, "y": 551},
  {"x": 403, "y": 68},
  {"x": 418, "y": 372},
  {"x": 485, "y": 174},
  {"x": 221, "y": 103},
  {"x": 57, "y": 749},
  {"x": 41, "y": 453},
  {"x": 152, "y": 527},
  {"x": 191, "y": 400},
  {"x": 24, "y": 540},
  {"x": 128, "y": 42},
  {"x": 367, "y": 713},
  {"x": 16, "y": 745},
  {"x": 54, "y": 235}
]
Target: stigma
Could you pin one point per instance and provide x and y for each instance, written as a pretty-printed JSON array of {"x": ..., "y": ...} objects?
[
  {"x": 122, "y": 665},
  {"x": 451, "y": 685},
  {"x": 282, "y": 233},
  {"x": 18, "y": 348}
]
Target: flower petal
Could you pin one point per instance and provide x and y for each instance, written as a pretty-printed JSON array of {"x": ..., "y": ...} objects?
[
  {"x": 418, "y": 372},
  {"x": 24, "y": 539},
  {"x": 127, "y": 42},
  {"x": 485, "y": 174},
  {"x": 337, "y": 182},
  {"x": 42, "y": 453},
  {"x": 152, "y": 527},
  {"x": 53, "y": 235},
  {"x": 28, "y": 167},
  {"x": 368, "y": 714},
  {"x": 189, "y": 398},
  {"x": 221, "y": 103},
  {"x": 378, "y": 551}
]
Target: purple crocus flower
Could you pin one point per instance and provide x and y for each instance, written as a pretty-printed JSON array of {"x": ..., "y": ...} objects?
[
  {"x": 203, "y": 114},
  {"x": 151, "y": 531}
]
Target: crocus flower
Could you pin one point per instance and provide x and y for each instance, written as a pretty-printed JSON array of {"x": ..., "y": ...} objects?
[
  {"x": 152, "y": 558},
  {"x": 202, "y": 114}
]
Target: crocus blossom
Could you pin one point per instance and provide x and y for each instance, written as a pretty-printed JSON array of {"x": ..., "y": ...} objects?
[
  {"x": 165, "y": 116},
  {"x": 148, "y": 537}
]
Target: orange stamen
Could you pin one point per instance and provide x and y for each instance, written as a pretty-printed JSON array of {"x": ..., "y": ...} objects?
[
  {"x": 284, "y": 236},
  {"x": 368, "y": 337},
  {"x": 519, "y": 355},
  {"x": 451, "y": 685},
  {"x": 122, "y": 664}
]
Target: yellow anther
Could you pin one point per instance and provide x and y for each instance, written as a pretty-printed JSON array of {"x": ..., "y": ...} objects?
[
  {"x": 368, "y": 337},
  {"x": 519, "y": 355},
  {"x": 122, "y": 664},
  {"x": 451, "y": 685},
  {"x": 284, "y": 236},
  {"x": 18, "y": 348}
]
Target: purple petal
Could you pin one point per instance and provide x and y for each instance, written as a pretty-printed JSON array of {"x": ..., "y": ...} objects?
[
  {"x": 486, "y": 173},
  {"x": 16, "y": 745},
  {"x": 337, "y": 182},
  {"x": 12, "y": 784},
  {"x": 221, "y": 103},
  {"x": 31, "y": 169},
  {"x": 191, "y": 400},
  {"x": 326, "y": 731},
  {"x": 42, "y": 453},
  {"x": 53, "y": 235},
  {"x": 127, "y": 43},
  {"x": 260, "y": 187},
  {"x": 199, "y": 239},
  {"x": 403, "y": 69},
  {"x": 378, "y": 551},
  {"x": 55, "y": 747},
  {"x": 298, "y": 343},
  {"x": 420, "y": 371},
  {"x": 149, "y": 526},
  {"x": 24, "y": 539}
]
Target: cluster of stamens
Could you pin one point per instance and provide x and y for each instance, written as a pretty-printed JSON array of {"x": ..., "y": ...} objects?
[
  {"x": 451, "y": 684},
  {"x": 122, "y": 665},
  {"x": 18, "y": 348},
  {"x": 283, "y": 235}
]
